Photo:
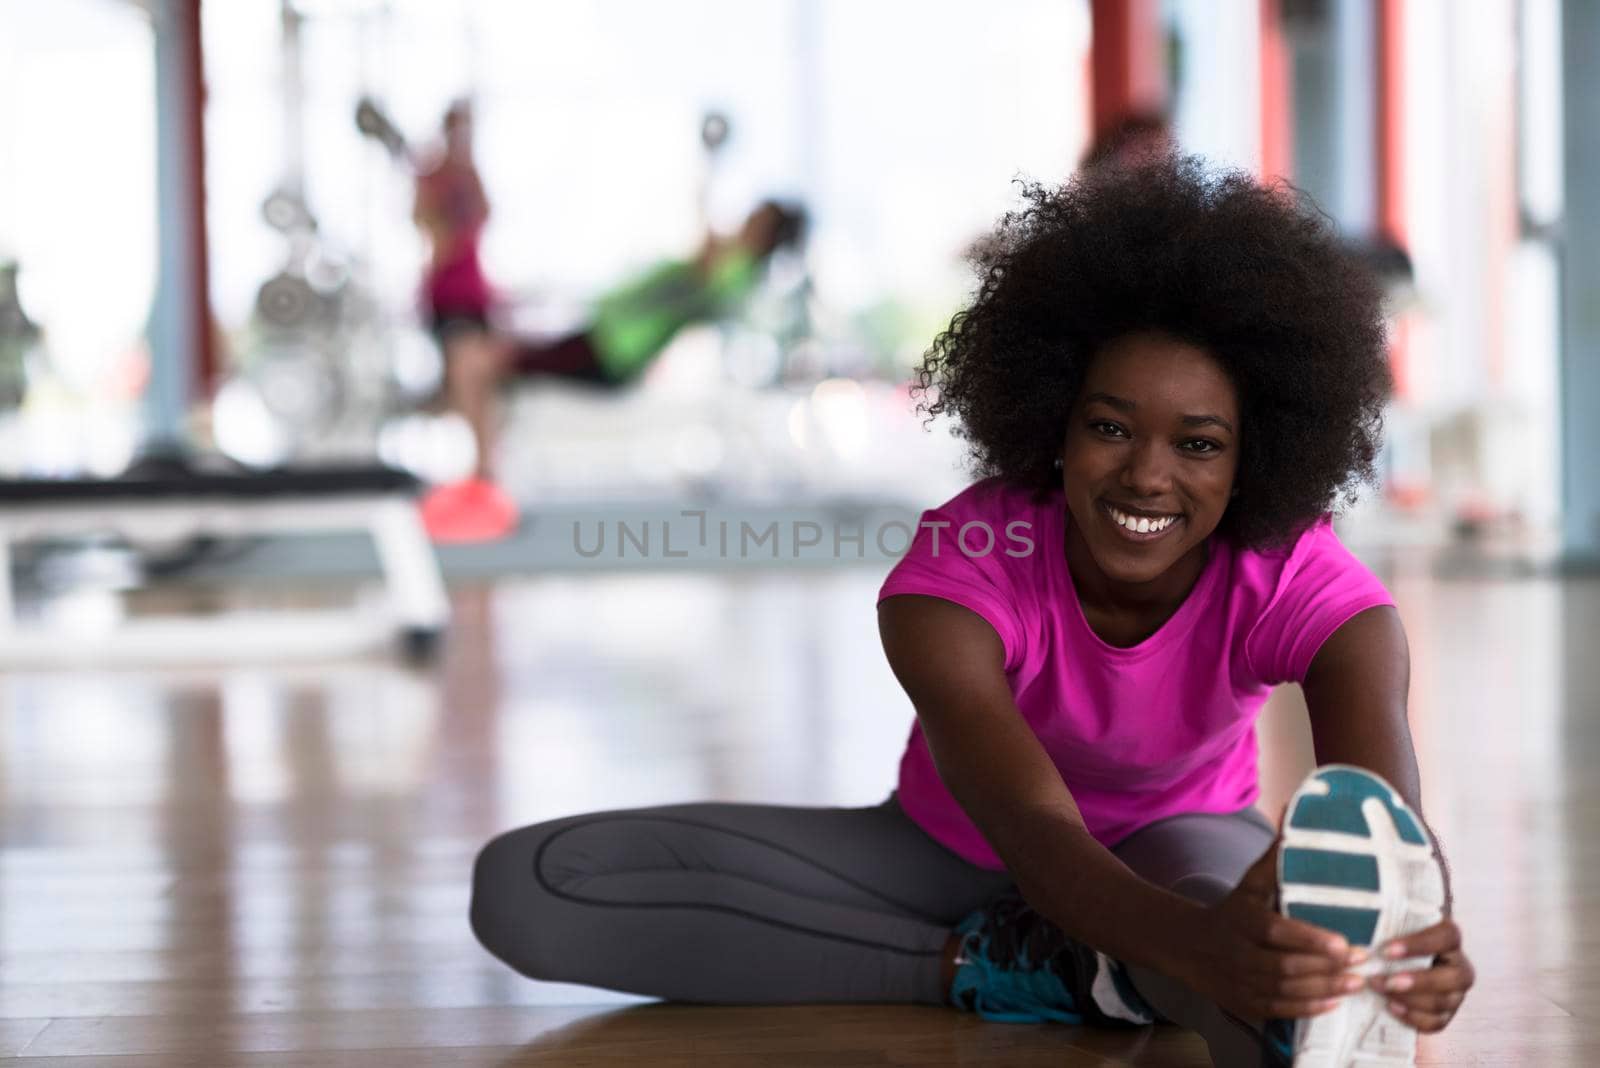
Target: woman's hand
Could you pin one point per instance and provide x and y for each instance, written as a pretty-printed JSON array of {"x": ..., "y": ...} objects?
[
  {"x": 1428, "y": 998},
  {"x": 1260, "y": 965}
]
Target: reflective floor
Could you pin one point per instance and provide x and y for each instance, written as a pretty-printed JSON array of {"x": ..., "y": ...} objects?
[{"x": 268, "y": 865}]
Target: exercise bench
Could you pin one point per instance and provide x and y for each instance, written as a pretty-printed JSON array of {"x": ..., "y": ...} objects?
[{"x": 378, "y": 500}]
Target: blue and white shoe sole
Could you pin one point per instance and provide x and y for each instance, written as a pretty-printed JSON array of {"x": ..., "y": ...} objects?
[{"x": 1355, "y": 859}]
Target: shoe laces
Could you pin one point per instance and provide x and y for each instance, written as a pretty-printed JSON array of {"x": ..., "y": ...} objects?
[
  {"x": 1010, "y": 933},
  {"x": 1012, "y": 965}
]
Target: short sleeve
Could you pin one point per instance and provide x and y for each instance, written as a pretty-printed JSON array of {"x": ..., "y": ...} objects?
[
  {"x": 937, "y": 565},
  {"x": 1321, "y": 587}
]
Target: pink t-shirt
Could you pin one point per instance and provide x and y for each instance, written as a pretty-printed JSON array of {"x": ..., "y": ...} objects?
[
  {"x": 454, "y": 283},
  {"x": 1159, "y": 729}
]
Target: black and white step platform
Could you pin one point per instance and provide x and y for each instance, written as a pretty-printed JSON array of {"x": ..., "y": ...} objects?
[{"x": 378, "y": 500}]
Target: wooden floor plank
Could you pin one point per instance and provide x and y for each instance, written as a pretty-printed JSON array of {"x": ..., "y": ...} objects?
[{"x": 487, "y": 985}]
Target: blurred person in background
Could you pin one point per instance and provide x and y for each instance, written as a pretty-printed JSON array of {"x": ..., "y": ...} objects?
[
  {"x": 1168, "y": 379},
  {"x": 451, "y": 209},
  {"x": 630, "y": 327},
  {"x": 1135, "y": 139}
]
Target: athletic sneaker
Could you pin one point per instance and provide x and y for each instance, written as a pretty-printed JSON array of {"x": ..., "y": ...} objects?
[
  {"x": 472, "y": 510},
  {"x": 1355, "y": 860},
  {"x": 1014, "y": 966}
]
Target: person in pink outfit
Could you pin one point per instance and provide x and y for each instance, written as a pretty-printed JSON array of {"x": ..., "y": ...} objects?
[{"x": 451, "y": 209}]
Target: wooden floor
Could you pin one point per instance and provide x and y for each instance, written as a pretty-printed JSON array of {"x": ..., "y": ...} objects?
[{"x": 264, "y": 866}]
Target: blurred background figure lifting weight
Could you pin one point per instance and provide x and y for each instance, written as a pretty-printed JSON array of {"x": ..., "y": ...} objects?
[{"x": 451, "y": 209}]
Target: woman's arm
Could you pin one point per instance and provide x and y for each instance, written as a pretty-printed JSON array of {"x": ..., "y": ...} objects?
[
  {"x": 1356, "y": 694},
  {"x": 951, "y": 663}
]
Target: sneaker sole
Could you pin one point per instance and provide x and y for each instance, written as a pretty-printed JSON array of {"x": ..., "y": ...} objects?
[{"x": 1356, "y": 860}]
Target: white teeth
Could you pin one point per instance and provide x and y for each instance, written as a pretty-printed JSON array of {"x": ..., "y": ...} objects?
[{"x": 1141, "y": 524}]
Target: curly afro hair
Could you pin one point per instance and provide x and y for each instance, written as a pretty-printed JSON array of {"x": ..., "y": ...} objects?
[{"x": 1252, "y": 275}]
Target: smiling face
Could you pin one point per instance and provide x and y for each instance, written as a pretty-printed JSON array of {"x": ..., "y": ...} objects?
[{"x": 1148, "y": 462}]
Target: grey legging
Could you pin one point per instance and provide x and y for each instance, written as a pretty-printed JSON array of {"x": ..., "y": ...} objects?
[{"x": 766, "y": 904}]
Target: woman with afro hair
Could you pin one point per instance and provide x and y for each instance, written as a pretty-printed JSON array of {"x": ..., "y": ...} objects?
[{"x": 1167, "y": 377}]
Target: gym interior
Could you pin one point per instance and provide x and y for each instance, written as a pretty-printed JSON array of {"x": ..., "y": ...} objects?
[{"x": 289, "y": 629}]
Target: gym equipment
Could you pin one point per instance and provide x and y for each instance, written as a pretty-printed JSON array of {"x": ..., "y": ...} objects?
[
  {"x": 19, "y": 339},
  {"x": 715, "y": 129},
  {"x": 156, "y": 505},
  {"x": 320, "y": 366},
  {"x": 314, "y": 358},
  {"x": 374, "y": 123}
]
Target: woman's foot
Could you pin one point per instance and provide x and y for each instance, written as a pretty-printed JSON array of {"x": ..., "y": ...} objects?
[
  {"x": 1357, "y": 860},
  {"x": 471, "y": 510},
  {"x": 1014, "y": 966}
]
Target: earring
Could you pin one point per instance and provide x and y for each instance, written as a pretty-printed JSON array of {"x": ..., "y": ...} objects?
[{"x": 1057, "y": 465}]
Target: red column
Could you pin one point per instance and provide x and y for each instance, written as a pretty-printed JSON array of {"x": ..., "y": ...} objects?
[
  {"x": 1391, "y": 119},
  {"x": 1128, "y": 75},
  {"x": 1391, "y": 132},
  {"x": 199, "y": 301},
  {"x": 1277, "y": 96}
]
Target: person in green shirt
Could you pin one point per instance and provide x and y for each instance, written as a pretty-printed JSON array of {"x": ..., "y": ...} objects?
[
  {"x": 635, "y": 322},
  {"x": 630, "y": 327}
]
